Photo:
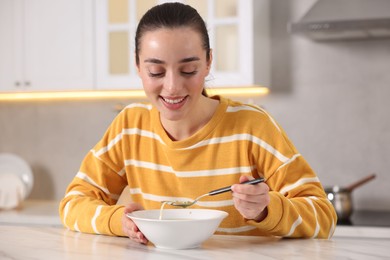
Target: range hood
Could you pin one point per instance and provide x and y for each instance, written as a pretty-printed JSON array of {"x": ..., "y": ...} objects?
[{"x": 345, "y": 19}]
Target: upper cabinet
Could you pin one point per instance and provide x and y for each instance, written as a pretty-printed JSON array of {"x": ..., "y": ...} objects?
[
  {"x": 239, "y": 37},
  {"x": 116, "y": 22},
  {"x": 89, "y": 44},
  {"x": 46, "y": 45}
]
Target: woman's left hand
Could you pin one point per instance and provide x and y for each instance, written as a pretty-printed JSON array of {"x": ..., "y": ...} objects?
[{"x": 251, "y": 200}]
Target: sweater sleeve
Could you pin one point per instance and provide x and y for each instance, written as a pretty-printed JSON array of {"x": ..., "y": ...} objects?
[
  {"x": 298, "y": 204},
  {"x": 90, "y": 202}
]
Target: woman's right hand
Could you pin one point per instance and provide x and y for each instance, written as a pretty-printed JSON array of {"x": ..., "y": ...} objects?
[{"x": 129, "y": 227}]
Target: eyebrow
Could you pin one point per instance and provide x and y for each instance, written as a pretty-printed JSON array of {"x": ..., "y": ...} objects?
[{"x": 185, "y": 60}]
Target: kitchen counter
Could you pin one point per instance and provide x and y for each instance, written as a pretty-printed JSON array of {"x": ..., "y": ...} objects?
[
  {"x": 41, "y": 242},
  {"x": 368, "y": 218},
  {"x": 33, "y": 212},
  {"x": 36, "y": 212}
]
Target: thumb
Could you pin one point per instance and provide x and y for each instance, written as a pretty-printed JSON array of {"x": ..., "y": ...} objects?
[
  {"x": 132, "y": 207},
  {"x": 245, "y": 178},
  {"x": 242, "y": 179}
]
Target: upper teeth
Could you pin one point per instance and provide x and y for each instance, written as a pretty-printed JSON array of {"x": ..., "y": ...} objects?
[{"x": 173, "y": 101}]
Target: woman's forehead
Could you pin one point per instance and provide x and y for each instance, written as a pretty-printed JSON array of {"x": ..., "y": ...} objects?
[{"x": 180, "y": 39}]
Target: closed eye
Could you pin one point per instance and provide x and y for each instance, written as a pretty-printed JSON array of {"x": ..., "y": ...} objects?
[
  {"x": 156, "y": 75},
  {"x": 189, "y": 73}
]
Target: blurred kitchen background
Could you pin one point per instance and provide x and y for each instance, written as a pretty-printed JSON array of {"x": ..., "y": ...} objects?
[{"x": 331, "y": 97}]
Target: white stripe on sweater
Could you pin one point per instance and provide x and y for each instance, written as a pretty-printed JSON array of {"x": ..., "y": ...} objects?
[
  {"x": 233, "y": 109},
  {"x": 86, "y": 178},
  {"x": 137, "y": 131},
  {"x": 295, "y": 156},
  {"x": 317, "y": 230},
  {"x": 272, "y": 119},
  {"x": 74, "y": 192},
  {"x": 296, "y": 223},
  {"x": 134, "y": 105},
  {"x": 93, "y": 221},
  {"x": 298, "y": 183},
  {"x": 332, "y": 229},
  {"x": 108, "y": 147},
  {"x": 236, "y": 230},
  {"x": 66, "y": 210},
  {"x": 241, "y": 137},
  {"x": 184, "y": 174},
  {"x": 122, "y": 172},
  {"x": 76, "y": 227},
  {"x": 253, "y": 108},
  {"x": 126, "y": 131}
]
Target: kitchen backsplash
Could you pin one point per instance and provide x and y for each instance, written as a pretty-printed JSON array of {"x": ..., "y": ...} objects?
[{"x": 331, "y": 98}]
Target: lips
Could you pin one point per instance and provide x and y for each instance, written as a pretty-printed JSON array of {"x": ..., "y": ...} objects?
[{"x": 174, "y": 102}]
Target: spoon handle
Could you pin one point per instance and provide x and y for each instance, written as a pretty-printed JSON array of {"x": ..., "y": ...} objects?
[{"x": 229, "y": 188}]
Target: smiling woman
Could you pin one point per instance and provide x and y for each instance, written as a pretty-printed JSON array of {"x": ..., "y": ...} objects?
[{"x": 183, "y": 143}]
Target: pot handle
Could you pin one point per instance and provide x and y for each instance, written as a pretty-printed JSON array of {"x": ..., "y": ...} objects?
[{"x": 360, "y": 182}]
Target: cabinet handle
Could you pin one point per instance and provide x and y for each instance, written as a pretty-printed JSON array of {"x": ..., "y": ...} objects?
[
  {"x": 27, "y": 83},
  {"x": 17, "y": 83}
]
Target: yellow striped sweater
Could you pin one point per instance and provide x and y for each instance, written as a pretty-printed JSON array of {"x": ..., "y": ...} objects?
[{"x": 239, "y": 140}]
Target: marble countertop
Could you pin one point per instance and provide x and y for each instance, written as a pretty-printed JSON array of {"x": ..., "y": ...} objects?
[
  {"x": 36, "y": 228},
  {"x": 42, "y": 242},
  {"x": 46, "y": 212},
  {"x": 33, "y": 212}
]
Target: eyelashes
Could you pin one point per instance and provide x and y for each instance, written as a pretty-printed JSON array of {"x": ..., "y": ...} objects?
[
  {"x": 189, "y": 73},
  {"x": 159, "y": 75},
  {"x": 155, "y": 75}
]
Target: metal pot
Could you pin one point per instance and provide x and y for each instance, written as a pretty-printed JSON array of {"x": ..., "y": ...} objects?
[
  {"x": 341, "y": 197},
  {"x": 341, "y": 200}
]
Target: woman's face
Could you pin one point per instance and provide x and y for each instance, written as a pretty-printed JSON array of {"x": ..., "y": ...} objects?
[{"x": 173, "y": 67}]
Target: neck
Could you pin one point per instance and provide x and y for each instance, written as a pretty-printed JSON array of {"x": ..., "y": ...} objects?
[{"x": 182, "y": 129}]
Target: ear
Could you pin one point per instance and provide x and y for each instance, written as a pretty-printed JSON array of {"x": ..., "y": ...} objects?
[
  {"x": 210, "y": 61},
  {"x": 137, "y": 65}
]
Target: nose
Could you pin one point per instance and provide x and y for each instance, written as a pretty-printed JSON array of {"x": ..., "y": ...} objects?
[{"x": 172, "y": 83}]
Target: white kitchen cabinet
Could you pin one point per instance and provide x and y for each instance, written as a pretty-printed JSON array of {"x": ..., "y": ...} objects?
[
  {"x": 46, "y": 45},
  {"x": 239, "y": 37}
]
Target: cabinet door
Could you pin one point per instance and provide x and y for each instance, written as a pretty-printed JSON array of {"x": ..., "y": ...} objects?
[
  {"x": 238, "y": 30},
  {"x": 239, "y": 37},
  {"x": 116, "y": 22},
  {"x": 10, "y": 45},
  {"x": 58, "y": 44}
]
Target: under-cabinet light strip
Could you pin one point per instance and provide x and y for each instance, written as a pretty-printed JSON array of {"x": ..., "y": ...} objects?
[{"x": 119, "y": 94}]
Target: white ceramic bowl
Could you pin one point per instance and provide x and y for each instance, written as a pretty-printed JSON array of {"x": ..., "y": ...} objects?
[
  {"x": 15, "y": 165},
  {"x": 178, "y": 228}
]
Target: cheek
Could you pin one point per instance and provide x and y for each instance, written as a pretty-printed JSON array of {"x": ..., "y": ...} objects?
[
  {"x": 198, "y": 82},
  {"x": 150, "y": 86},
  {"x": 148, "y": 82}
]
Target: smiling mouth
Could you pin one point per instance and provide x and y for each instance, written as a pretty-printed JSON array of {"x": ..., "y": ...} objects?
[{"x": 173, "y": 101}]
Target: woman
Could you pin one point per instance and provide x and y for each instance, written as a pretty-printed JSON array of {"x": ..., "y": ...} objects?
[{"x": 183, "y": 144}]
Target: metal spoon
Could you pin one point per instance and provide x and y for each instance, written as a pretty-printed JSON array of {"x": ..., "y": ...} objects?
[{"x": 186, "y": 204}]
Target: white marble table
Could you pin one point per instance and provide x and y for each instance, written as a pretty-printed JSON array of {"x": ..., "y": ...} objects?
[{"x": 42, "y": 242}]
